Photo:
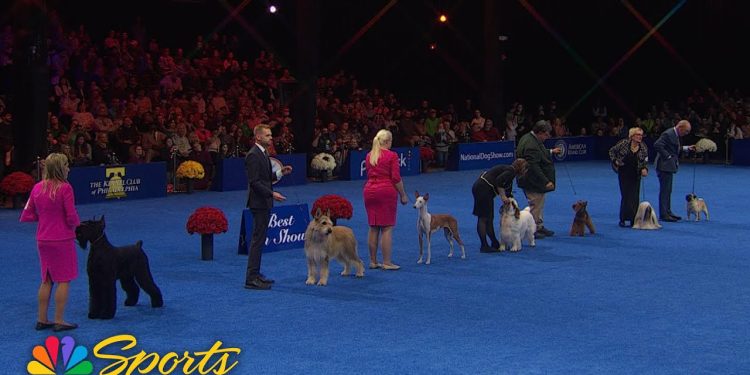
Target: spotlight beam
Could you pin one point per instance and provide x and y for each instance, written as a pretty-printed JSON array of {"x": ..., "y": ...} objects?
[
  {"x": 578, "y": 59},
  {"x": 344, "y": 48},
  {"x": 635, "y": 47},
  {"x": 663, "y": 41},
  {"x": 234, "y": 14}
]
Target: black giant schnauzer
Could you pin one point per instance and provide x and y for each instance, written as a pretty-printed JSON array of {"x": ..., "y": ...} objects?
[{"x": 106, "y": 264}]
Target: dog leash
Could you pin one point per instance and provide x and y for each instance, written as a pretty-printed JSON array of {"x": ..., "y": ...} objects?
[
  {"x": 693, "y": 189},
  {"x": 569, "y": 178}
]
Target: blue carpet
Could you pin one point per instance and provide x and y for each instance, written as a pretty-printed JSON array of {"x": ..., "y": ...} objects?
[{"x": 618, "y": 302}]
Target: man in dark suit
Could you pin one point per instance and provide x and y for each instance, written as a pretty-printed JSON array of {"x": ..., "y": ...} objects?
[
  {"x": 260, "y": 197},
  {"x": 540, "y": 176},
  {"x": 668, "y": 149}
]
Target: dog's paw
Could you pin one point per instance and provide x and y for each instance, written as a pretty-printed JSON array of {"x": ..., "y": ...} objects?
[
  {"x": 310, "y": 281},
  {"x": 532, "y": 243},
  {"x": 502, "y": 247},
  {"x": 427, "y": 262},
  {"x": 129, "y": 302},
  {"x": 344, "y": 273},
  {"x": 322, "y": 283},
  {"x": 360, "y": 275},
  {"x": 450, "y": 255},
  {"x": 419, "y": 261},
  {"x": 515, "y": 249}
]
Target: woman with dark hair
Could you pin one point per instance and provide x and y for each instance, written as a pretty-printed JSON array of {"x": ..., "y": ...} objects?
[
  {"x": 497, "y": 181},
  {"x": 629, "y": 159},
  {"x": 81, "y": 151},
  {"x": 52, "y": 204}
]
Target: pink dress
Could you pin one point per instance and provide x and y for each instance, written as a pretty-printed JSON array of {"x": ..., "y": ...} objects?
[
  {"x": 56, "y": 231},
  {"x": 380, "y": 195}
]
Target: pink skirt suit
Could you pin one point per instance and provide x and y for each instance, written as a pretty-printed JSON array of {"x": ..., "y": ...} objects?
[
  {"x": 380, "y": 194},
  {"x": 56, "y": 231}
]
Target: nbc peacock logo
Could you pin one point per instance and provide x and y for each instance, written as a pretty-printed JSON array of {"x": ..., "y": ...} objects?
[{"x": 46, "y": 362}]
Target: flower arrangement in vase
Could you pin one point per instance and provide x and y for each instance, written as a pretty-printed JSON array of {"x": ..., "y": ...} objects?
[
  {"x": 324, "y": 163},
  {"x": 191, "y": 170},
  {"x": 339, "y": 207},
  {"x": 17, "y": 185},
  {"x": 207, "y": 221}
]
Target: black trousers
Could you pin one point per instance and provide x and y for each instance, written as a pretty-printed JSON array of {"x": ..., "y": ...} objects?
[
  {"x": 260, "y": 226},
  {"x": 630, "y": 189},
  {"x": 665, "y": 194}
]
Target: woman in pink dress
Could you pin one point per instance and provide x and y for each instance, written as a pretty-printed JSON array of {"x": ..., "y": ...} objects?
[
  {"x": 52, "y": 204},
  {"x": 380, "y": 195}
]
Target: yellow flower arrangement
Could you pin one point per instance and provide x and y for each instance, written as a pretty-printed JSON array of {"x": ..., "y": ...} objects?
[{"x": 190, "y": 169}]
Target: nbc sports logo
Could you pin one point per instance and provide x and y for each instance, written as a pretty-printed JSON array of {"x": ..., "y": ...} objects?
[{"x": 46, "y": 357}]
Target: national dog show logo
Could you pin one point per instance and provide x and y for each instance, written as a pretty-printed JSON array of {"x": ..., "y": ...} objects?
[
  {"x": 63, "y": 356},
  {"x": 47, "y": 358}
]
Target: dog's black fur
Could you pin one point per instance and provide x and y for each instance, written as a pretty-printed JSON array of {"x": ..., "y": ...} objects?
[{"x": 107, "y": 263}]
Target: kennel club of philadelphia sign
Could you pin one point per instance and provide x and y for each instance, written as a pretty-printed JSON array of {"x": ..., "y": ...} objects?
[{"x": 130, "y": 181}]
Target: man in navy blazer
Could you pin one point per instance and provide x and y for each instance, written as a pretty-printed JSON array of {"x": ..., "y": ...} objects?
[
  {"x": 260, "y": 197},
  {"x": 668, "y": 149}
]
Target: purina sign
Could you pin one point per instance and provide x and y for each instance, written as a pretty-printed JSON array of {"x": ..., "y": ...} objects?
[{"x": 408, "y": 159}]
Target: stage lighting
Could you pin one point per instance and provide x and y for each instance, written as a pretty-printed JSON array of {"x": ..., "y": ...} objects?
[
  {"x": 272, "y": 9},
  {"x": 432, "y": 46},
  {"x": 443, "y": 18}
]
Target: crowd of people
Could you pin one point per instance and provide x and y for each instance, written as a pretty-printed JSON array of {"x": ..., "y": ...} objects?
[{"x": 126, "y": 98}]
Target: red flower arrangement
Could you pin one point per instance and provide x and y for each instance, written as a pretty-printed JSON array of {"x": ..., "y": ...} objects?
[
  {"x": 17, "y": 183},
  {"x": 340, "y": 207},
  {"x": 426, "y": 153},
  {"x": 207, "y": 220}
]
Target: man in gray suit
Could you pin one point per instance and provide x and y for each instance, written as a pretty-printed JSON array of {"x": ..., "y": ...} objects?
[
  {"x": 260, "y": 197},
  {"x": 668, "y": 149}
]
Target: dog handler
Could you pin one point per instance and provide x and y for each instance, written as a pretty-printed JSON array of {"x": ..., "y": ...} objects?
[
  {"x": 540, "y": 178},
  {"x": 52, "y": 204},
  {"x": 498, "y": 180},
  {"x": 380, "y": 194},
  {"x": 629, "y": 159}
]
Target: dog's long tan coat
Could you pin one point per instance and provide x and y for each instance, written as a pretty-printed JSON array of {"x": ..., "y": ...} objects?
[{"x": 323, "y": 242}]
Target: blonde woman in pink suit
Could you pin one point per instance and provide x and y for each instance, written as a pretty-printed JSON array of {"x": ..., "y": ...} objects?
[
  {"x": 380, "y": 196},
  {"x": 52, "y": 204}
]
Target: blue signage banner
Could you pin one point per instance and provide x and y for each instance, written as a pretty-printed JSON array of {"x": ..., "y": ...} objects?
[
  {"x": 482, "y": 155},
  {"x": 354, "y": 168},
  {"x": 740, "y": 151},
  {"x": 115, "y": 182},
  {"x": 230, "y": 172},
  {"x": 573, "y": 148},
  {"x": 286, "y": 228}
]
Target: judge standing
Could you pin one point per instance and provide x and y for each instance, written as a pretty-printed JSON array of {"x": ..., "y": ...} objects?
[{"x": 260, "y": 197}]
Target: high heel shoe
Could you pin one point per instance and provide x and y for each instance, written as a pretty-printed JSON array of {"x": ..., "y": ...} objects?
[
  {"x": 42, "y": 326},
  {"x": 64, "y": 327}
]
